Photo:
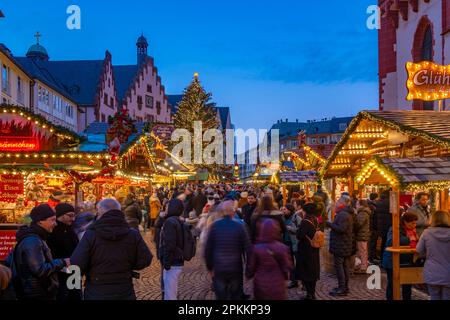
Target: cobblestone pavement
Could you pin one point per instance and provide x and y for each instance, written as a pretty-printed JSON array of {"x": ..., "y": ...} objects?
[{"x": 195, "y": 284}]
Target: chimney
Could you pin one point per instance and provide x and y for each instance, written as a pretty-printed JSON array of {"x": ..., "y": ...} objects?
[{"x": 286, "y": 120}]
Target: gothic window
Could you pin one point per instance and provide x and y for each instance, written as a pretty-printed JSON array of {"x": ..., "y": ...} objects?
[{"x": 427, "y": 54}]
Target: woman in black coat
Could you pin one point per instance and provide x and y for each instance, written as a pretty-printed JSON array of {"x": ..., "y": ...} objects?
[{"x": 308, "y": 258}]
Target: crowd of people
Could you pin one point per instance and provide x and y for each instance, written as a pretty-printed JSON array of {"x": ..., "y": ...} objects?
[{"x": 240, "y": 232}]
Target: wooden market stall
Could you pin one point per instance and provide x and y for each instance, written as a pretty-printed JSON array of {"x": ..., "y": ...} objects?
[
  {"x": 37, "y": 158},
  {"x": 402, "y": 151},
  {"x": 293, "y": 181}
]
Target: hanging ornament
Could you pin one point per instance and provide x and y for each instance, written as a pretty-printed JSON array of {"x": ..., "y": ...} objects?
[{"x": 91, "y": 163}]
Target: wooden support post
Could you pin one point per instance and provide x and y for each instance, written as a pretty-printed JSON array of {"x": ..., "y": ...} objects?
[
  {"x": 284, "y": 195},
  {"x": 444, "y": 199},
  {"x": 395, "y": 210},
  {"x": 307, "y": 189},
  {"x": 350, "y": 184},
  {"x": 333, "y": 198}
]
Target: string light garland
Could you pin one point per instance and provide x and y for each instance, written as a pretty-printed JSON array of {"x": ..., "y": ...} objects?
[
  {"x": 376, "y": 163},
  {"x": 40, "y": 121}
]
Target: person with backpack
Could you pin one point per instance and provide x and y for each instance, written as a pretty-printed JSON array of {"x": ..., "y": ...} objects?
[
  {"x": 171, "y": 248},
  {"x": 308, "y": 252},
  {"x": 270, "y": 264},
  {"x": 35, "y": 272},
  {"x": 226, "y": 246}
]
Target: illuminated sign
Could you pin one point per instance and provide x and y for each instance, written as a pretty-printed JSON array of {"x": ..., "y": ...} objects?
[
  {"x": 428, "y": 81},
  {"x": 12, "y": 143},
  {"x": 11, "y": 187}
]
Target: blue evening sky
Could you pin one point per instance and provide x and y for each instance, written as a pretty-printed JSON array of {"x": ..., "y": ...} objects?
[{"x": 266, "y": 60}]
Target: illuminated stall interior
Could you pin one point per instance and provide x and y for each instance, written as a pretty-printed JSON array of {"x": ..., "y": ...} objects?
[
  {"x": 388, "y": 134},
  {"x": 36, "y": 159}
]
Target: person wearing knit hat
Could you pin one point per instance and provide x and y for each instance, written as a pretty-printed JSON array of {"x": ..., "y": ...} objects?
[
  {"x": 62, "y": 242},
  {"x": 39, "y": 270}
]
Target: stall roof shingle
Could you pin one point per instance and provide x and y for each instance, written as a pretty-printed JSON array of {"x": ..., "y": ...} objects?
[
  {"x": 420, "y": 169},
  {"x": 298, "y": 176}
]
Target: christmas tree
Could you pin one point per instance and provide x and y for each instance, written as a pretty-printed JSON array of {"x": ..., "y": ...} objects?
[{"x": 196, "y": 106}]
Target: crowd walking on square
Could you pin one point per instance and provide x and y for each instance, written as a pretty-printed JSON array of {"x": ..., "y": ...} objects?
[{"x": 241, "y": 233}]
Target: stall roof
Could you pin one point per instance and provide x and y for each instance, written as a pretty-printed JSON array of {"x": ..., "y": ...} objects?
[
  {"x": 420, "y": 169},
  {"x": 411, "y": 173},
  {"x": 430, "y": 126},
  {"x": 298, "y": 176}
]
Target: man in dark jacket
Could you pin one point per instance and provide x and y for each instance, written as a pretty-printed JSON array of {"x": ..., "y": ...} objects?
[
  {"x": 384, "y": 218},
  {"x": 132, "y": 211},
  {"x": 342, "y": 243},
  {"x": 62, "y": 242},
  {"x": 227, "y": 244},
  {"x": 108, "y": 254},
  {"x": 171, "y": 249},
  {"x": 249, "y": 208},
  {"x": 188, "y": 202},
  {"x": 34, "y": 269},
  {"x": 199, "y": 201}
]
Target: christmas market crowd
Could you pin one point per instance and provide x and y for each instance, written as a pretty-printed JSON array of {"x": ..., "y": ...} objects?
[{"x": 241, "y": 232}]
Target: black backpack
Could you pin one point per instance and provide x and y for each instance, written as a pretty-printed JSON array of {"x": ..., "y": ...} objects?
[{"x": 189, "y": 243}]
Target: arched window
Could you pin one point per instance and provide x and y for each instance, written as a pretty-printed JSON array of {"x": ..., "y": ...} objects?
[
  {"x": 427, "y": 54},
  {"x": 427, "y": 45}
]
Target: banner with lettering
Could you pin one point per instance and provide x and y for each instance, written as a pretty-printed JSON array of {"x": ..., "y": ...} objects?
[
  {"x": 11, "y": 187},
  {"x": 7, "y": 243},
  {"x": 428, "y": 81}
]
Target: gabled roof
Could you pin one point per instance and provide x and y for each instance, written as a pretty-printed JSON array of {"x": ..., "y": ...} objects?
[
  {"x": 124, "y": 76},
  {"x": 77, "y": 79}
]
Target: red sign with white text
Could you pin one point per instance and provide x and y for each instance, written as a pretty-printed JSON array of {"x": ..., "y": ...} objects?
[
  {"x": 11, "y": 187},
  {"x": 7, "y": 243},
  {"x": 12, "y": 143}
]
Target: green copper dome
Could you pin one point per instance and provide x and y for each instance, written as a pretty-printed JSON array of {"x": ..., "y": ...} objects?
[{"x": 37, "y": 51}]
